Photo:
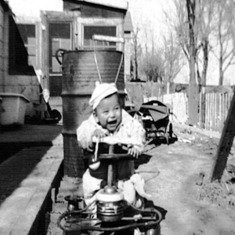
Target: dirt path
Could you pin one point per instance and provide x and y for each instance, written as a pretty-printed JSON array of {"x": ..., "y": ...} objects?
[
  {"x": 172, "y": 176},
  {"x": 193, "y": 207}
]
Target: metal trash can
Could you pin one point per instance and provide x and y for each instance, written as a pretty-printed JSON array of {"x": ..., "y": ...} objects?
[{"x": 81, "y": 69}]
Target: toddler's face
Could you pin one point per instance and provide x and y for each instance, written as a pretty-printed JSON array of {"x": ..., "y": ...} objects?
[{"x": 108, "y": 113}]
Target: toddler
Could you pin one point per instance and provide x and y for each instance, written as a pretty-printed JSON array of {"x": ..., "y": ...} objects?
[{"x": 109, "y": 119}]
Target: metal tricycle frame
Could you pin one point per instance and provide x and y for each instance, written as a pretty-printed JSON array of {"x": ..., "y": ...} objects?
[{"x": 82, "y": 220}]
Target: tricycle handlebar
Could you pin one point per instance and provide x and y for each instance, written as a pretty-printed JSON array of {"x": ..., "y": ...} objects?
[{"x": 114, "y": 140}]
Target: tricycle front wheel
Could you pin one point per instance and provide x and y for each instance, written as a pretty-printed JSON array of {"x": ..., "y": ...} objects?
[{"x": 154, "y": 231}]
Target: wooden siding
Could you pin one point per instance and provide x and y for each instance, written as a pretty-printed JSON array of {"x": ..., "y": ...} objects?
[
  {"x": 1, "y": 41},
  {"x": 4, "y": 17},
  {"x": 24, "y": 84}
]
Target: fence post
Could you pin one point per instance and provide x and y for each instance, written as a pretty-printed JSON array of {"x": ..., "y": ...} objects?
[
  {"x": 225, "y": 144},
  {"x": 202, "y": 107}
]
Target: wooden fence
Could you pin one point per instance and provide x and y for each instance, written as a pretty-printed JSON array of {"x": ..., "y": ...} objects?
[{"x": 216, "y": 105}]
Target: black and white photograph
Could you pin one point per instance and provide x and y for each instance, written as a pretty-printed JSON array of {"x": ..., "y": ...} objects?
[{"x": 117, "y": 117}]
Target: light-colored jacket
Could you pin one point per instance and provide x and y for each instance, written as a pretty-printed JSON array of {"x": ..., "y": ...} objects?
[{"x": 130, "y": 129}]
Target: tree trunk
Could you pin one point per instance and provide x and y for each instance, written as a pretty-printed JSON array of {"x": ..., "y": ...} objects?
[
  {"x": 135, "y": 59},
  {"x": 193, "y": 95},
  {"x": 136, "y": 68},
  {"x": 221, "y": 49},
  {"x": 203, "y": 82},
  {"x": 221, "y": 75},
  {"x": 193, "y": 87}
]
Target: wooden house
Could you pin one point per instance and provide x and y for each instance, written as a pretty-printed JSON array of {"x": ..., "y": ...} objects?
[
  {"x": 72, "y": 29},
  {"x": 17, "y": 77},
  {"x": 31, "y": 68}
]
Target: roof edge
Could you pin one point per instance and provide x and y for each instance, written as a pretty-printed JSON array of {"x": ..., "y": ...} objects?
[
  {"x": 5, "y": 5},
  {"x": 121, "y": 4}
]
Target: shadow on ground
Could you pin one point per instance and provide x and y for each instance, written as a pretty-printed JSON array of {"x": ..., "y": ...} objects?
[
  {"x": 21, "y": 149},
  {"x": 16, "y": 168}
]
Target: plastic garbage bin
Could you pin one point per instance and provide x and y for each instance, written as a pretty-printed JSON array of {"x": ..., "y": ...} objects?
[{"x": 13, "y": 109}]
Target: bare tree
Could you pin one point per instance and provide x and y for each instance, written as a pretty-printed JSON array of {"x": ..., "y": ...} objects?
[
  {"x": 151, "y": 60},
  {"x": 225, "y": 35},
  {"x": 136, "y": 53},
  {"x": 193, "y": 88},
  {"x": 204, "y": 27},
  {"x": 172, "y": 63},
  {"x": 192, "y": 25},
  {"x": 184, "y": 25},
  {"x": 152, "y": 66},
  {"x": 205, "y": 11}
]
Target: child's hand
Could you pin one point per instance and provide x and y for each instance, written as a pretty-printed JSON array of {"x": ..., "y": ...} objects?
[
  {"x": 86, "y": 145},
  {"x": 132, "y": 150},
  {"x": 100, "y": 133}
]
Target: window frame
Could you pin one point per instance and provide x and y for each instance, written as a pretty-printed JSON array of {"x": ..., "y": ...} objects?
[
  {"x": 50, "y": 45},
  {"x": 95, "y": 45}
]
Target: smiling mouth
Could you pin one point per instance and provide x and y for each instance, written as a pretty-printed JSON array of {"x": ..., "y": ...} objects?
[{"x": 112, "y": 123}]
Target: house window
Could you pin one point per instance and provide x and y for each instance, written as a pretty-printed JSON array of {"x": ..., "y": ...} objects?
[
  {"x": 59, "y": 38},
  {"x": 27, "y": 32},
  {"x": 89, "y": 31}
]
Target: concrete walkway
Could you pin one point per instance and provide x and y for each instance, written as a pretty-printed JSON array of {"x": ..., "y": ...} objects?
[{"x": 28, "y": 176}]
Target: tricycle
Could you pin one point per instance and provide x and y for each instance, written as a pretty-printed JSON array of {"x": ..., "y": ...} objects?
[{"x": 113, "y": 214}]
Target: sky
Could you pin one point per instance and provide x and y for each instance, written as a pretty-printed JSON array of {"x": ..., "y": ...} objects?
[
  {"x": 149, "y": 17},
  {"x": 32, "y": 7},
  {"x": 142, "y": 10},
  {"x": 148, "y": 14}
]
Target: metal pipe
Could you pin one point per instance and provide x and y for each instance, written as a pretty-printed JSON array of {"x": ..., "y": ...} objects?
[{"x": 110, "y": 167}]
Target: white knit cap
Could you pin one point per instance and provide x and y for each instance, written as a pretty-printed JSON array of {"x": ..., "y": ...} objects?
[{"x": 100, "y": 92}]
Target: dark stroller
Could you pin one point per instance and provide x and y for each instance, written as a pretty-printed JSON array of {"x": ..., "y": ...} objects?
[{"x": 155, "y": 118}]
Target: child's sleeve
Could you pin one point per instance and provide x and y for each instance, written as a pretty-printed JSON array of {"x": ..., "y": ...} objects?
[
  {"x": 84, "y": 133},
  {"x": 138, "y": 134}
]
